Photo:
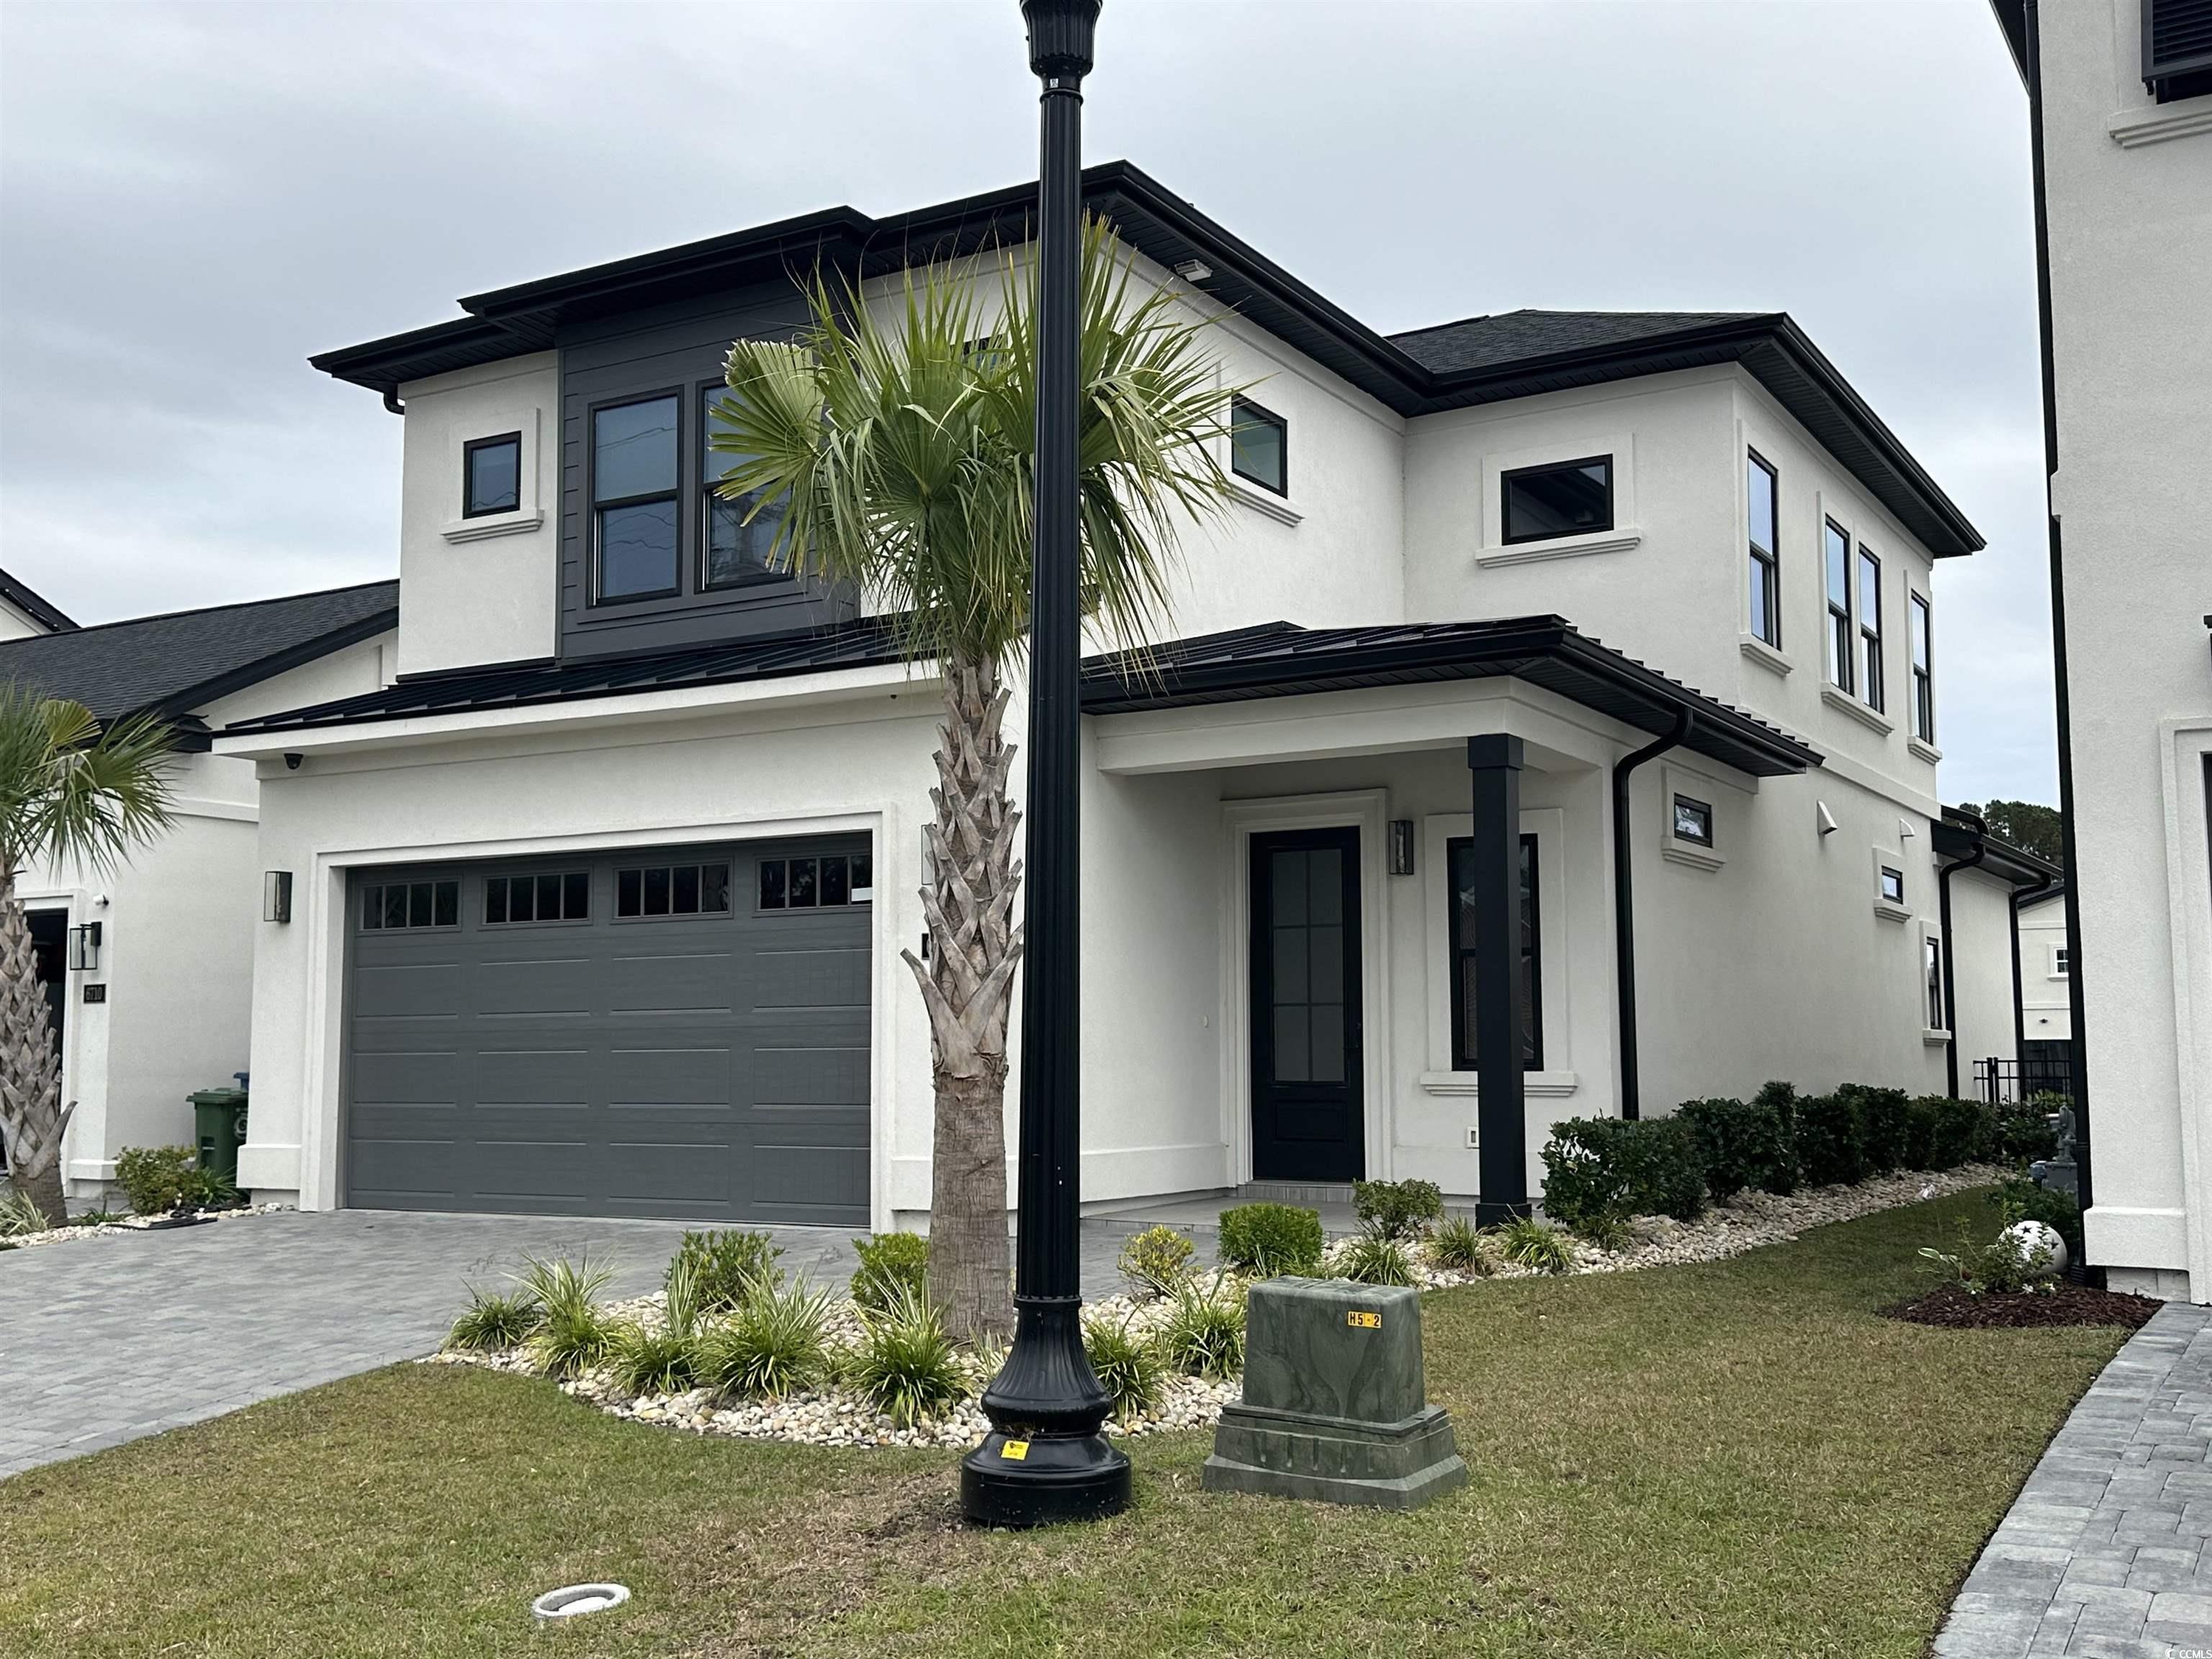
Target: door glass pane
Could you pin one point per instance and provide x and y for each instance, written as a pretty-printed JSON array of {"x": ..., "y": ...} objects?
[
  {"x": 495, "y": 899},
  {"x": 629, "y": 893},
  {"x": 1327, "y": 1028},
  {"x": 1288, "y": 878},
  {"x": 447, "y": 910},
  {"x": 1325, "y": 885},
  {"x": 1326, "y": 947},
  {"x": 714, "y": 887},
  {"x": 549, "y": 898},
  {"x": 577, "y": 903},
  {"x": 418, "y": 904},
  {"x": 522, "y": 900},
  {"x": 656, "y": 891},
  {"x": 835, "y": 889},
  {"x": 804, "y": 890},
  {"x": 1290, "y": 980},
  {"x": 1292, "y": 1064},
  {"x": 771, "y": 885}
]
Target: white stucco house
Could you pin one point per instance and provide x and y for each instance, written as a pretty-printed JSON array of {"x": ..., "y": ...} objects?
[
  {"x": 2120, "y": 126},
  {"x": 597, "y": 907},
  {"x": 149, "y": 964},
  {"x": 2046, "y": 973}
]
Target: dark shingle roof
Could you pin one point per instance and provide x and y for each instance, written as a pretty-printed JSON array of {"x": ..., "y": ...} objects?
[
  {"x": 176, "y": 662},
  {"x": 1518, "y": 337},
  {"x": 18, "y": 593}
]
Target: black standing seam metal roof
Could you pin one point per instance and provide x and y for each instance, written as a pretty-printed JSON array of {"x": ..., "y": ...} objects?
[
  {"x": 1275, "y": 660},
  {"x": 175, "y": 663},
  {"x": 1480, "y": 359},
  {"x": 32, "y": 605}
]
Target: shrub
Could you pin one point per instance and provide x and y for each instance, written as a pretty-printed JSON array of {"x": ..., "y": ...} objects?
[
  {"x": 1743, "y": 1143},
  {"x": 1204, "y": 1332},
  {"x": 1884, "y": 1127},
  {"x": 1960, "y": 1131},
  {"x": 1455, "y": 1242},
  {"x": 18, "y": 1214},
  {"x": 1831, "y": 1145},
  {"x": 1155, "y": 1260},
  {"x": 495, "y": 1322},
  {"x": 772, "y": 1345},
  {"x": 573, "y": 1335},
  {"x": 205, "y": 1189},
  {"x": 724, "y": 1266},
  {"x": 1266, "y": 1239},
  {"x": 1128, "y": 1367},
  {"x": 1604, "y": 1232},
  {"x": 154, "y": 1178},
  {"x": 1374, "y": 1257},
  {"x": 1528, "y": 1242},
  {"x": 95, "y": 1218},
  {"x": 1618, "y": 1167},
  {"x": 891, "y": 1264},
  {"x": 662, "y": 1358},
  {"x": 2005, "y": 1266},
  {"x": 1398, "y": 1209},
  {"x": 906, "y": 1367},
  {"x": 2023, "y": 1131},
  {"x": 2020, "y": 1199}
]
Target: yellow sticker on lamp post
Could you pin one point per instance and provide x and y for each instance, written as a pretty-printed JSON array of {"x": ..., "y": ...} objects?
[
  {"x": 1364, "y": 1319},
  {"x": 1015, "y": 1451}
]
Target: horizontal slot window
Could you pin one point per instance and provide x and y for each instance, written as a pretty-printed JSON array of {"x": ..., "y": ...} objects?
[
  {"x": 390, "y": 906},
  {"x": 1567, "y": 498},
  {"x": 818, "y": 883},
  {"x": 1693, "y": 821},
  {"x": 672, "y": 890},
  {"x": 564, "y": 896}
]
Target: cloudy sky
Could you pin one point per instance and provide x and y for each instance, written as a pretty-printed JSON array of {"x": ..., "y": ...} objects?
[{"x": 194, "y": 198}]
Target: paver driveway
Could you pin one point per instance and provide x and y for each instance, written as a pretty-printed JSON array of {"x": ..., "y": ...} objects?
[{"x": 105, "y": 1339}]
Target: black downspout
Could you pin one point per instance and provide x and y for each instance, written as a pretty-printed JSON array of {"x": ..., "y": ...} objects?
[
  {"x": 2020, "y": 897},
  {"x": 1950, "y": 984},
  {"x": 391, "y": 402},
  {"x": 2077, "y": 1045},
  {"x": 1624, "y": 905}
]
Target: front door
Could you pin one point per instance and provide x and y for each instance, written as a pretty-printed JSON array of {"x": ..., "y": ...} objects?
[{"x": 1306, "y": 1116}]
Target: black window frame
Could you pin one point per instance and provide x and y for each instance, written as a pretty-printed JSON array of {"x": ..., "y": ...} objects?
[
  {"x": 1842, "y": 644},
  {"x": 1240, "y": 408},
  {"x": 1921, "y": 630},
  {"x": 1698, "y": 809},
  {"x": 865, "y": 859},
  {"x": 1532, "y": 953},
  {"x": 2177, "y": 77},
  {"x": 1871, "y": 687},
  {"x": 597, "y": 598},
  {"x": 1766, "y": 571},
  {"x": 670, "y": 867},
  {"x": 507, "y": 878},
  {"x": 1932, "y": 1005},
  {"x": 470, "y": 451},
  {"x": 705, "y": 498},
  {"x": 1505, "y": 536},
  {"x": 1882, "y": 884},
  {"x": 372, "y": 901}
]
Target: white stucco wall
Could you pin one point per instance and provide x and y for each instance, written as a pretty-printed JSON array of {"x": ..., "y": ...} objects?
[
  {"x": 2129, "y": 198},
  {"x": 2048, "y": 1012},
  {"x": 1981, "y": 940}
]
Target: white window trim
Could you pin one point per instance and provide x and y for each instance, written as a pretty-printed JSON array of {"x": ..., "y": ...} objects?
[
  {"x": 526, "y": 515},
  {"x": 1677, "y": 780},
  {"x": 1621, "y": 538},
  {"x": 1850, "y": 702},
  {"x": 1890, "y": 911},
  {"x": 1930, "y": 932},
  {"x": 1549, "y": 825},
  {"x": 2052, "y": 969},
  {"x": 1775, "y": 662},
  {"x": 1266, "y": 502},
  {"x": 1922, "y": 751}
]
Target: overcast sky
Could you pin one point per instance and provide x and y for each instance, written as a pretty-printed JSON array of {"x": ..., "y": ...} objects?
[{"x": 194, "y": 198}]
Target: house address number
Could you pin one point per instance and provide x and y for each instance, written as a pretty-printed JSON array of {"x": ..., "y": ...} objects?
[{"x": 95, "y": 993}]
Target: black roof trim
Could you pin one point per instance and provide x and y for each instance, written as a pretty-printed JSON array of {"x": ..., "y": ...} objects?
[
  {"x": 1958, "y": 834},
  {"x": 1170, "y": 230},
  {"x": 1283, "y": 659},
  {"x": 19, "y": 593},
  {"x": 1276, "y": 660}
]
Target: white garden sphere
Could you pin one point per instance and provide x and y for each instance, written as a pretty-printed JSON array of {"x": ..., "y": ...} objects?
[{"x": 2034, "y": 1236}]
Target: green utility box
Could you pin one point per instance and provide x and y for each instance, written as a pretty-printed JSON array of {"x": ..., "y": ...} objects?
[{"x": 221, "y": 1125}]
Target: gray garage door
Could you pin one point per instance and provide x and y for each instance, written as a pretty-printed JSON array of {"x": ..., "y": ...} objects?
[{"x": 679, "y": 1032}]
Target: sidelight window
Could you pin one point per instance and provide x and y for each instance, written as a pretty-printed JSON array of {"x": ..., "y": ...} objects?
[{"x": 1460, "y": 854}]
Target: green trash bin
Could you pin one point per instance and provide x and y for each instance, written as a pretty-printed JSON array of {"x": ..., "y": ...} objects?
[{"x": 220, "y": 1115}]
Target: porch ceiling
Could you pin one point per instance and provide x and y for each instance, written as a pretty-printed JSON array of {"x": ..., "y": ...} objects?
[{"x": 1278, "y": 659}]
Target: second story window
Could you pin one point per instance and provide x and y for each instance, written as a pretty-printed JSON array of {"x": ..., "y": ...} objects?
[
  {"x": 1837, "y": 556},
  {"x": 634, "y": 499},
  {"x": 1870, "y": 628},
  {"x": 735, "y": 552},
  {"x": 1566, "y": 498},
  {"x": 1762, "y": 493},
  {"x": 491, "y": 475},
  {"x": 1923, "y": 673},
  {"x": 1259, "y": 445},
  {"x": 2176, "y": 49},
  {"x": 1693, "y": 821},
  {"x": 1931, "y": 980}
]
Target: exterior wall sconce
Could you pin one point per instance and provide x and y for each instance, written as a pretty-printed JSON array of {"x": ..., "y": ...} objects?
[
  {"x": 1401, "y": 847},
  {"x": 84, "y": 947},
  {"x": 276, "y": 896}
]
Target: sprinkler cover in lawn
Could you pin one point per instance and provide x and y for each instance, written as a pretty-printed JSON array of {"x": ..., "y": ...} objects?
[{"x": 1336, "y": 1405}]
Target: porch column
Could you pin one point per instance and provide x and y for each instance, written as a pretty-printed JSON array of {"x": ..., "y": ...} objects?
[{"x": 1500, "y": 1003}]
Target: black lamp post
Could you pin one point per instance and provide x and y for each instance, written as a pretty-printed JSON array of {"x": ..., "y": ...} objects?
[{"x": 1045, "y": 1459}]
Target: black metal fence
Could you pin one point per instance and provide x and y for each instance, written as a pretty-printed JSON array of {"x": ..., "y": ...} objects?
[{"x": 2044, "y": 1068}]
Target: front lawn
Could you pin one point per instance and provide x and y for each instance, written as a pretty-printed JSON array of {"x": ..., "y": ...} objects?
[{"x": 1735, "y": 1459}]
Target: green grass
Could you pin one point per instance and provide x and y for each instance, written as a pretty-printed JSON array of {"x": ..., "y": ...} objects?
[{"x": 1735, "y": 1460}]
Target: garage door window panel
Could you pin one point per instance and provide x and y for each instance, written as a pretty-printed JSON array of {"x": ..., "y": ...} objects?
[
  {"x": 394, "y": 906},
  {"x": 672, "y": 890},
  {"x": 817, "y": 883},
  {"x": 546, "y": 896}
]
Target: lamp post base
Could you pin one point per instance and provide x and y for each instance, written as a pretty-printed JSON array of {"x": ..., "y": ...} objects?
[{"x": 1010, "y": 1482}]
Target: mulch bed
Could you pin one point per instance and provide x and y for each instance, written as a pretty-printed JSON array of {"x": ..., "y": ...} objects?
[{"x": 2069, "y": 1305}]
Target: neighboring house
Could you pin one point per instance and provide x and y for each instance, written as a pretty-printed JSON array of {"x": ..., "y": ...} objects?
[
  {"x": 150, "y": 964},
  {"x": 2046, "y": 1014},
  {"x": 599, "y": 908},
  {"x": 2120, "y": 125},
  {"x": 1981, "y": 881},
  {"x": 24, "y": 613}
]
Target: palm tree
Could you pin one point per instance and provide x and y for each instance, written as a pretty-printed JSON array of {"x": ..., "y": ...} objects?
[
  {"x": 896, "y": 456},
  {"x": 71, "y": 791}
]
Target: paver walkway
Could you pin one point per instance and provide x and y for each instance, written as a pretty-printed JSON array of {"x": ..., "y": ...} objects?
[
  {"x": 2108, "y": 1551},
  {"x": 105, "y": 1339}
]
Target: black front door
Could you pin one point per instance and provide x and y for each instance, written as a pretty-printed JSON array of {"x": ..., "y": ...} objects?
[{"x": 1306, "y": 1117}]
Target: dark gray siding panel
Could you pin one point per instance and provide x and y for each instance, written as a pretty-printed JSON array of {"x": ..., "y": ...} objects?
[
  {"x": 711, "y": 1067},
  {"x": 669, "y": 346}
]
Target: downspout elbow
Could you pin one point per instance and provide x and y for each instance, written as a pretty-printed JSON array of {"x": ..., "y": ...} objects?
[{"x": 392, "y": 401}]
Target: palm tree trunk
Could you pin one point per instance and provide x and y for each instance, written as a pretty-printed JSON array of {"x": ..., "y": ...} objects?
[
  {"x": 967, "y": 984},
  {"x": 31, "y": 1112}
]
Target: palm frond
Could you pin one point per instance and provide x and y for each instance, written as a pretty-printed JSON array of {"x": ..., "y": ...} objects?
[{"x": 73, "y": 789}]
